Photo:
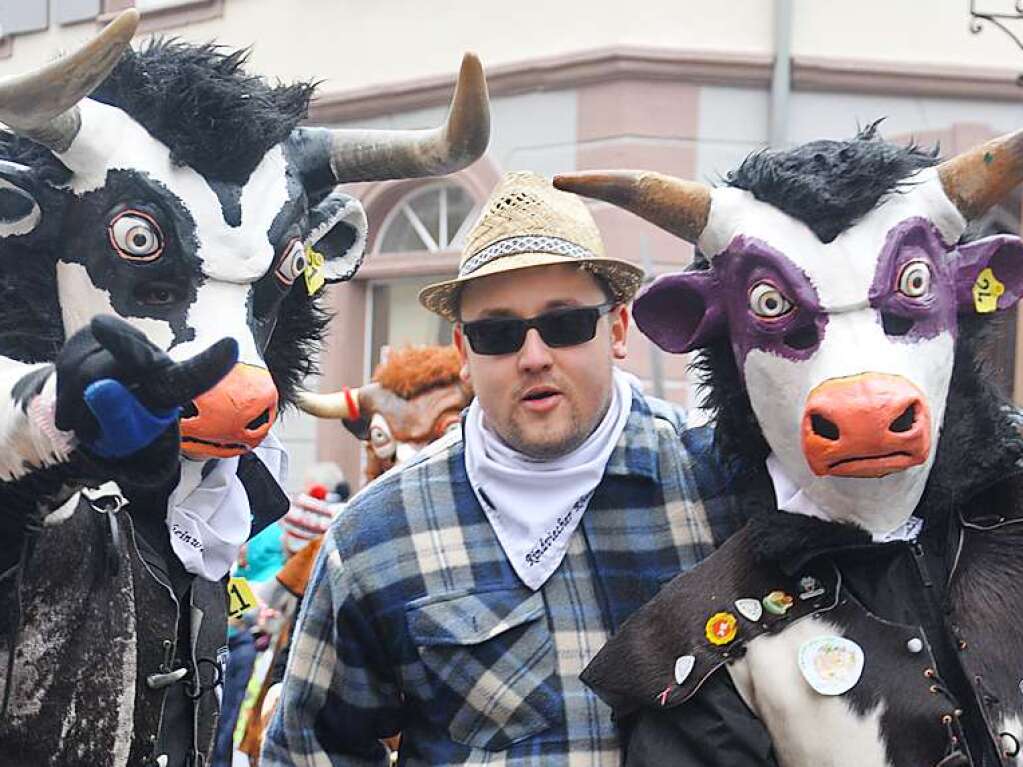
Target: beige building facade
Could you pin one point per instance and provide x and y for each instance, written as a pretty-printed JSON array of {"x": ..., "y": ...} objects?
[{"x": 687, "y": 88}]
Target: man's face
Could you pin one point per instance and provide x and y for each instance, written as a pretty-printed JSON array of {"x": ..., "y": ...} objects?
[{"x": 542, "y": 401}]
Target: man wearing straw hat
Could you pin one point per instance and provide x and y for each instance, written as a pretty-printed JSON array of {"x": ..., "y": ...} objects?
[{"x": 458, "y": 598}]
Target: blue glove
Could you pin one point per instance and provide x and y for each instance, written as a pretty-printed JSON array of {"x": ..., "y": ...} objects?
[{"x": 125, "y": 424}]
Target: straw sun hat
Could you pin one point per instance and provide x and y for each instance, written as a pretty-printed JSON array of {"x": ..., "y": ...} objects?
[{"x": 527, "y": 222}]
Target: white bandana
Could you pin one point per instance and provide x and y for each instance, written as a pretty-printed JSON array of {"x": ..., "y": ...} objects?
[
  {"x": 209, "y": 517},
  {"x": 534, "y": 505},
  {"x": 791, "y": 498}
]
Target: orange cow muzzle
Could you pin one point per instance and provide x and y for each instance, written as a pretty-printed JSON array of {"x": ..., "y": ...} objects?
[
  {"x": 867, "y": 425},
  {"x": 233, "y": 417}
]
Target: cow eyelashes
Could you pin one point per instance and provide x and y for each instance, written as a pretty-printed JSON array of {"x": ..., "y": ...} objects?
[
  {"x": 293, "y": 263},
  {"x": 136, "y": 236},
  {"x": 915, "y": 279},
  {"x": 767, "y": 302}
]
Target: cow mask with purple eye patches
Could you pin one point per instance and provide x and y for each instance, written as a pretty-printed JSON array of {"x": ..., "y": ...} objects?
[{"x": 845, "y": 342}]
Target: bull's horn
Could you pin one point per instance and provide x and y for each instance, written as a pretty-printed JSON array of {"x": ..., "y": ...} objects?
[
  {"x": 677, "y": 206},
  {"x": 980, "y": 177},
  {"x": 377, "y": 155},
  {"x": 333, "y": 405},
  {"x": 43, "y": 104}
]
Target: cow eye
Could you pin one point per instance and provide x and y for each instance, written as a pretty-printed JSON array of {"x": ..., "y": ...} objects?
[
  {"x": 378, "y": 436},
  {"x": 766, "y": 301},
  {"x": 915, "y": 279},
  {"x": 157, "y": 294},
  {"x": 136, "y": 236},
  {"x": 293, "y": 263}
]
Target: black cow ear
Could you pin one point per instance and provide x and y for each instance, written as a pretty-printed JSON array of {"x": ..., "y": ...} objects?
[
  {"x": 20, "y": 209},
  {"x": 337, "y": 230}
]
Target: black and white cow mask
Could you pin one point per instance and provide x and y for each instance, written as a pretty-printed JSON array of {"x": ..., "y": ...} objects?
[
  {"x": 844, "y": 341},
  {"x": 184, "y": 255}
]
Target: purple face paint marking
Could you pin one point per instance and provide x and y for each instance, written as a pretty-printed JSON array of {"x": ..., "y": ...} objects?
[
  {"x": 909, "y": 319},
  {"x": 794, "y": 335},
  {"x": 1003, "y": 254}
]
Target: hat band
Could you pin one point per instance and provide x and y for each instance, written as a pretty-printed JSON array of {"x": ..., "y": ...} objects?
[{"x": 528, "y": 243}]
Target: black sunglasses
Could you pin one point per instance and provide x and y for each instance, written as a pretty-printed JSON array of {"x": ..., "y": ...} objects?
[{"x": 562, "y": 327}]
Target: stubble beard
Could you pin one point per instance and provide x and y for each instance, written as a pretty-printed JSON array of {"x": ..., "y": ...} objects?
[{"x": 574, "y": 434}]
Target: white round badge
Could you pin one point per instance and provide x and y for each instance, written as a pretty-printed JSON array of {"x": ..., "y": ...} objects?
[{"x": 831, "y": 665}]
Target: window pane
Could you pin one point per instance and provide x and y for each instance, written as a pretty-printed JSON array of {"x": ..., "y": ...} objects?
[
  {"x": 399, "y": 320},
  {"x": 69, "y": 11},
  {"x": 23, "y": 16},
  {"x": 427, "y": 207},
  {"x": 400, "y": 233},
  {"x": 400, "y": 236},
  {"x": 459, "y": 208}
]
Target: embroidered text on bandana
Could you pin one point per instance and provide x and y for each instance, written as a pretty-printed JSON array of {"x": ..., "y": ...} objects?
[{"x": 208, "y": 513}]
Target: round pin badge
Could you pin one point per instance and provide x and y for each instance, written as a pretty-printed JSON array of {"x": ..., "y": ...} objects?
[
  {"x": 684, "y": 667},
  {"x": 831, "y": 665},
  {"x": 721, "y": 628},
  {"x": 777, "y": 602},
  {"x": 750, "y": 609}
]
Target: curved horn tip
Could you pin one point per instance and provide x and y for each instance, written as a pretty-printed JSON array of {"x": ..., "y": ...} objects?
[
  {"x": 467, "y": 129},
  {"x": 471, "y": 65},
  {"x": 333, "y": 405},
  {"x": 610, "y": 185},
  {"x": 124, "y": 26},
  {"x": 471, "y": 85}
]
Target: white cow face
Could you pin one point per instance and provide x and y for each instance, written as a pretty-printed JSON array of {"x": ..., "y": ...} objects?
[
  {"x": 846, "y": 347},
  {"x": 189, "y": 261}
]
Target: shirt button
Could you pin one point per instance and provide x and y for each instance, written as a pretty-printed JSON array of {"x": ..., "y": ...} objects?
[{"x": 915, "y": 645}]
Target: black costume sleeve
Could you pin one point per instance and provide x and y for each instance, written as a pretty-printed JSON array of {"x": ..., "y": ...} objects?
[{"x": 714, "y": 728}]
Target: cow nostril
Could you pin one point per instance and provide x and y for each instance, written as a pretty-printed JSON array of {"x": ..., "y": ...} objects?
[
  {"x": 894, "y": 325},
  {"x": 189, "y": 410},
  {"x": 260, "y": 420},
  {"x": 822, "y": 427},
  {"x": 905, "y": 421},
  {"x": 804, "y": 338}
]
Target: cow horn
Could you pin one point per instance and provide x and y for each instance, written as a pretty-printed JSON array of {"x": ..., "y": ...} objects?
[
  {"x": 980, "y": 177},
  {"x": 377, "y": 155},
  {"x": 677, "y": 206},
  {"x": 42, "y": 105},
  {"x": 334, "y": 405}
]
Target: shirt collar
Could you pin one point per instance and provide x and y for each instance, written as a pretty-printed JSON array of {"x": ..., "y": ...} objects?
[{"x": 637, "y": 452}]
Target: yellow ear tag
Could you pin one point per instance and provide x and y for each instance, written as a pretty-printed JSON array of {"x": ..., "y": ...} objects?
[
  {"x": 242, "y": 598},
  {"x": 314, "y": 261},
  {"x": 986, "y": 291}
]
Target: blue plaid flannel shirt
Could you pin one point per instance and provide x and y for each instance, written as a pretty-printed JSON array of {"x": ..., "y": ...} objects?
[{"x": 414, "y": 622}]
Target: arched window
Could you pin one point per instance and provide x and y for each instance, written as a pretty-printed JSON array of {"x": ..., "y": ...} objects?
[{"x": 432, "y": 219}]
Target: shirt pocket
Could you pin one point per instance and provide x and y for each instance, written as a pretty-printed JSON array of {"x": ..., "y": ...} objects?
[{"x": 490, "y": 660}]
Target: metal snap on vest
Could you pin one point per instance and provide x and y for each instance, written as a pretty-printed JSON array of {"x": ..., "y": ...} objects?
[
  {"x": 915, "y": 645},
  {"x": 159, "y": 681}
]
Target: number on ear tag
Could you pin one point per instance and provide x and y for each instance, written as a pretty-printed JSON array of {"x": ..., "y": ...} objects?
[
  {"x": 242, "y": 598},
  {"x": 314, "y": 278},
  {"x": 986, "y": 291}
]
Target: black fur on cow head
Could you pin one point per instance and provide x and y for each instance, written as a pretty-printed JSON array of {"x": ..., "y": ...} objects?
[
  {"x": 200, "y": 103},
  {"x": 830, "y": 185}
]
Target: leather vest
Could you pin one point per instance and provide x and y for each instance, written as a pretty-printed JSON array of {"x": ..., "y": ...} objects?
[
  {"x": 98, "y": 634},
  {"x": 898, "y": 713}
]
